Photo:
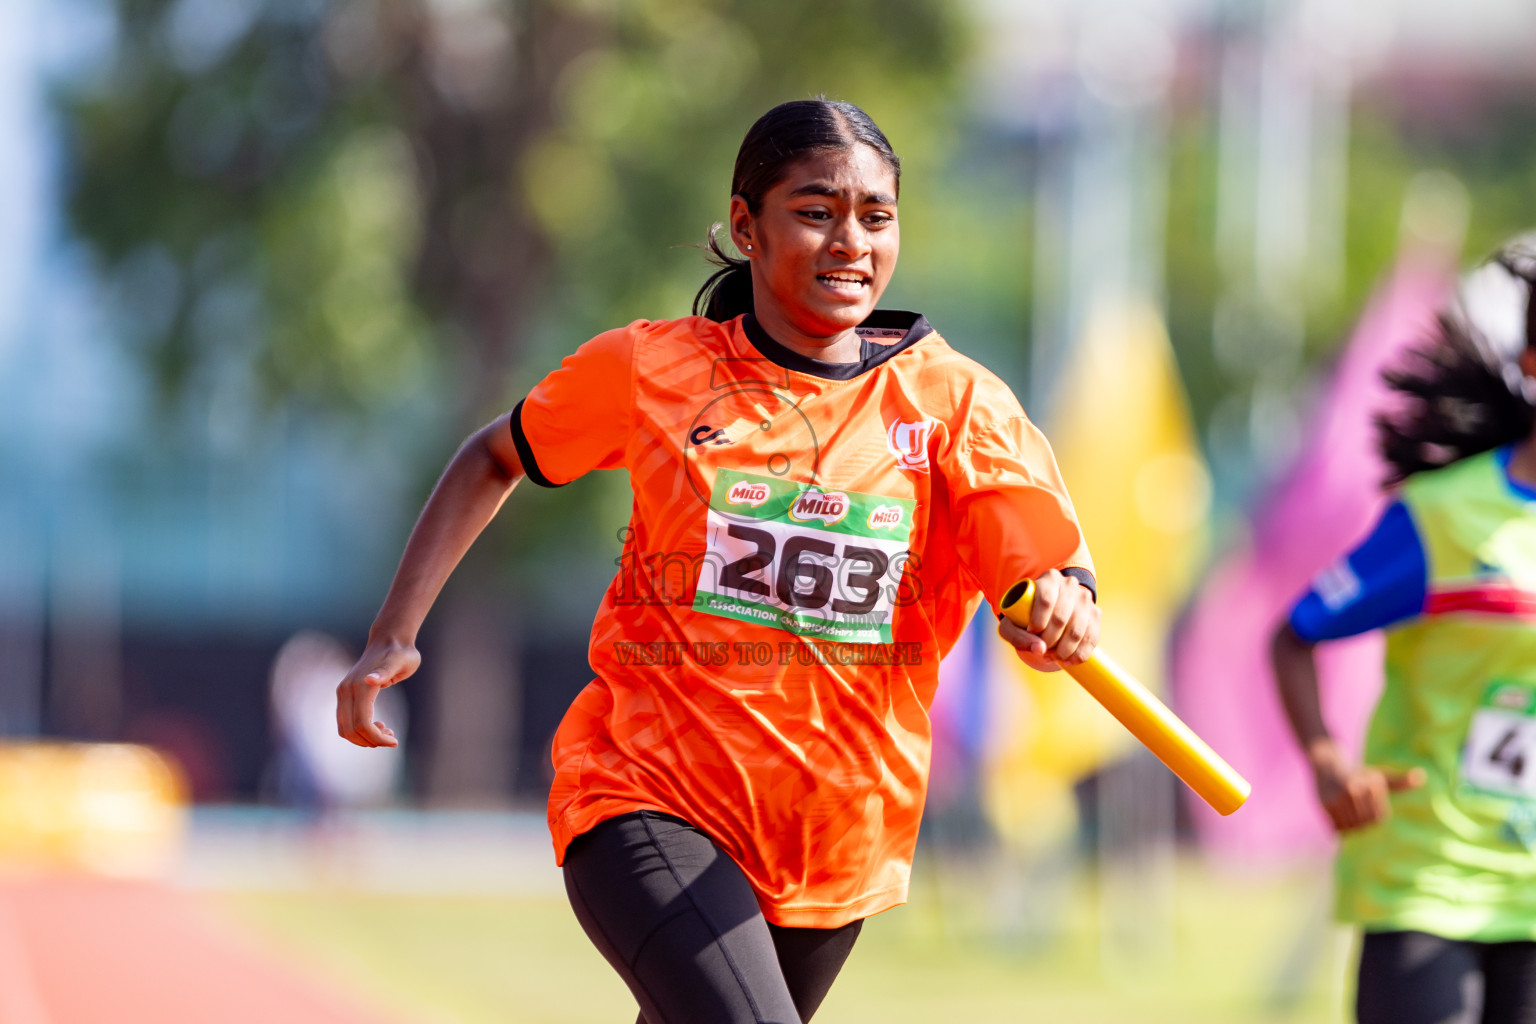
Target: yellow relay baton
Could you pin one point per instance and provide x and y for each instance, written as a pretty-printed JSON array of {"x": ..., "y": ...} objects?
[{"x": 1148, "y": 719}]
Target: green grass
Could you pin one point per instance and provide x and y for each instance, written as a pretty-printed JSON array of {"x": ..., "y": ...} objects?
[{"x": 1230, "y": 950}]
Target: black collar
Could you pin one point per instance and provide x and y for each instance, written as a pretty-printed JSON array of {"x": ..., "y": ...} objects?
[{"x": 907, "y": 328}]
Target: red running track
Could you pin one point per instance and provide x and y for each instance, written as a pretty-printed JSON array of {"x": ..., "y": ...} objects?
[{"x": 94, "y": 951}]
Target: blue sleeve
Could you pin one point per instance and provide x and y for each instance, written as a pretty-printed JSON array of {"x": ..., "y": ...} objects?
[{"x": 1381, "y": 582}]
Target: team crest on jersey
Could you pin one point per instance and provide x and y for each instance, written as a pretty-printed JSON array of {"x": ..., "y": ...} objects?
[
  {"x": 909, "y": 443},
  {"x": 830, "y": 506}
]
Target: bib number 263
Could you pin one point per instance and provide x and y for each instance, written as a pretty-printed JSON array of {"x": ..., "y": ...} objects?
[
  {"x": 808, "y": 570},
  {"x": 820, "y": 563}
]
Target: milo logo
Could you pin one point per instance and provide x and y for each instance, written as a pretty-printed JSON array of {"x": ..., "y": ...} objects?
[
  {"x": 744, "y": 492},
  {"x": 813, "y": 504},
  {"x": 884, "y": 517},
  {"x": 1513, "y": 698}
]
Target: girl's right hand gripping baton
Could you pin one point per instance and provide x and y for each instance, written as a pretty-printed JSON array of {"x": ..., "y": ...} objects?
[{"x": 1148, "y": 718}]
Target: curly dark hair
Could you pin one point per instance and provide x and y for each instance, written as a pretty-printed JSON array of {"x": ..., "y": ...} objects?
[{"x": 1463, "y": 398}]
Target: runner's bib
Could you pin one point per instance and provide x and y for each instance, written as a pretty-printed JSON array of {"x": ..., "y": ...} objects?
[
  {"x": 820, "y": 563},
  {"x": 1499, "y": 756}
]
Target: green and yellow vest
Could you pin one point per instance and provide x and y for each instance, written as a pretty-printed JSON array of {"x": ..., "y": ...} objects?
[{"x": 1457, "y": 857}]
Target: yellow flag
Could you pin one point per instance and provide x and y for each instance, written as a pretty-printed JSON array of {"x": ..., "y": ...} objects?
[{"x": 1127, "y": 449}]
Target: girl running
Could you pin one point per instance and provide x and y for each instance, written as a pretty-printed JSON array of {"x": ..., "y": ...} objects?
[
  {"x": 1439, "y": 826},
  {"x": 823, "y": 493}
]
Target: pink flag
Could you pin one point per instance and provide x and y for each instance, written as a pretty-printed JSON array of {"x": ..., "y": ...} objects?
[{"x": 1320, "y": 509}]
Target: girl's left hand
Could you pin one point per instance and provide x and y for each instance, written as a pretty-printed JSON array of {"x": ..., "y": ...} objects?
[{"x": 1063, "y": 625}]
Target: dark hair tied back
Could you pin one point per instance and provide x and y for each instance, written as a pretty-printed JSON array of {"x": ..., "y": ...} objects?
[
  {"x": 1464, "y": 395},
  {"x": 727, "y": 293},
  {"x": 786, "y": 134}
]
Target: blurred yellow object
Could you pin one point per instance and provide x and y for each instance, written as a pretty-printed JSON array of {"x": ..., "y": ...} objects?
[
  {"x": 1147, "y": 718},
  {"x": 108, "y": 808},
  {"x": 1142, "y": 495},
  {"x": 1048, "y": 736},
  {"x": 1129, "y": 455},
  {"x": 1126, "y": 445},
  {"x": 1035, "y": 812}
]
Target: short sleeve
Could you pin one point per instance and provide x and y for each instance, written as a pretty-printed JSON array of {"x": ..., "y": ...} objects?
[
  {"x": 577, "y": 418},
  {"x": 1381, "y": 582},
  {"x": 1013, "y": 518}
]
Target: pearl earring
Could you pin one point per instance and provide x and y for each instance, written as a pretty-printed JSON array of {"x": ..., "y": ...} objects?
[{"x": 749, "y": 248}]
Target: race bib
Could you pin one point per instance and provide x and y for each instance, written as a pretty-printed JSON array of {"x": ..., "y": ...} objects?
[
  {"x": 820, "y": 563},
  {"x": 1499, "y": 756}
]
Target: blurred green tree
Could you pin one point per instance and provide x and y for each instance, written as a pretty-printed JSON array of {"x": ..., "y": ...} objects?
[
  {"x": 361, "y": 191},
  {"x": 1478, "y": 130},
  {"x": 357, "y": 201}
]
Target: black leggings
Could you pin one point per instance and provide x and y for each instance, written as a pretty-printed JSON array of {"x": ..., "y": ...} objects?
[
  {"x": 677, "y": 919},
  {"x": 1415, "y": 978}
]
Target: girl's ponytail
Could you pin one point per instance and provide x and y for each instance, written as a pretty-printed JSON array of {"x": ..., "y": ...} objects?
[{"x": 727, "y": 293}]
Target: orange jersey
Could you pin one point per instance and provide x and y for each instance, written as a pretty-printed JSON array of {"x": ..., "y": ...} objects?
[{"x": 808, "y": 539}]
